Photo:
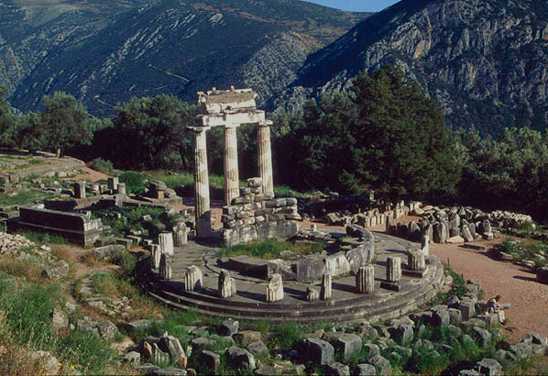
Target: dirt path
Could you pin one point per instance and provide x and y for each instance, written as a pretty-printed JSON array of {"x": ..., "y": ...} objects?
[{"x": 516, "y": 285}]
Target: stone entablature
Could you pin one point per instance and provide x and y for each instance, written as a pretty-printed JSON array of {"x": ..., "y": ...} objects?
[
  {"x": 254, "y": 217},
  {"x": 75, "y": 227}
]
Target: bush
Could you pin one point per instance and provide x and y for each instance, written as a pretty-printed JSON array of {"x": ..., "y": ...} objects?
[
  {"x": 44, "y": 238},
  {"x": 134, "y": 181},
  {"x": 102, "y": 165},
  {"x": 127, "y": 262},
  {"x": 286, "y": 336},
  {"x": 88, "y": 350}
]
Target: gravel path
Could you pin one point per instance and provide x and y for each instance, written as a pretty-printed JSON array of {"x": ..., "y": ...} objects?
[{"x": 516, "y": 285}]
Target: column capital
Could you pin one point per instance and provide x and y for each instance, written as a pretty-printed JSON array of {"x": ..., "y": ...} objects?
[
  {"x": 199, "y": 129},
  {"x": 266, "y": 123}
]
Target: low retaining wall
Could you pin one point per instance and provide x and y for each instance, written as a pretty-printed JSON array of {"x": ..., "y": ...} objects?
[{"x": 74, "y": 227}]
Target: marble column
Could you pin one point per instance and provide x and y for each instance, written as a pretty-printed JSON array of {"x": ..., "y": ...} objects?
[
  {"x": 365, "y": 279},
  {"x": 201, "y": 184},
  {"x": 232, "y": 175},
  {"x": 265, "y": 158}
]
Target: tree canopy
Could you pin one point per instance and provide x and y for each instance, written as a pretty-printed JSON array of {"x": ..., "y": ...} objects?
[{"x": 385, "y": 135}]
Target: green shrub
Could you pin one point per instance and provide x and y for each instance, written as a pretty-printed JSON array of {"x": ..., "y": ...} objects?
[
  {"x": 28, "y": 312},
  {"x": 134, "y": 181},
  {"x": 102, "y": 165},
  {"x": 44, "y": 238},
  {"x": 127, "y": 262},
  {"x": 87, "y": 349},
  {"x": 286, "y": 335}
]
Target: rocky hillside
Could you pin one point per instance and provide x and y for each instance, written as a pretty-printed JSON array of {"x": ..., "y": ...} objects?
[
  {"x": 105, "y": 52},
  {"x": 484, "y": 60}
]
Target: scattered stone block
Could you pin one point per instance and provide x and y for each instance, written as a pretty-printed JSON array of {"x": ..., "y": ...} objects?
[
  {"x": 489, "y": 367},
  {"x": 337, "y": 369},
  {"x": 316, "y": 351},
  {"x": 365, "y": 370},
  {"x": 229, "y": 327},
  {"x": 275, "y": 289},
  {"x": 382, "y": 365},
  {"x": 210, "y": 360},
  {"x": 326, "y": 290},
  {"x": 257, "y": 348},
  {"x": 240, "y": 359},
  {"x": 346, "y": 344},
  {"x": 246, "y": 337},
  {"x": 542, "y": 275}
]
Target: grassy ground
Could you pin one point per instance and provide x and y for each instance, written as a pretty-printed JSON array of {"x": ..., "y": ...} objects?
[
  {"x": 534, "y": 250},
  {"x": 24, "y": 197},
  {"x": 272, "y": 249}
]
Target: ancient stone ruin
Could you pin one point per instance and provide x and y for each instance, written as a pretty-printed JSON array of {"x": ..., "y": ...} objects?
[{"x": 228, "y": 109}]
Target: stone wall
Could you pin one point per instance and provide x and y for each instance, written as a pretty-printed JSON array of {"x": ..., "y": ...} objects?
[
  {"x": 74, "y": 227},
  {"x": 253, "y": 217}
]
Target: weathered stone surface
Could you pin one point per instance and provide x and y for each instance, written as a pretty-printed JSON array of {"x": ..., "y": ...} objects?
[
  {"x": 315, "y": 350},
  {"x": 133, "y": 358},
  {"x": 467, "y": 309},
  {"x": 393, "y": 269},
  {"x": 345, "y": 344},
  {"x": 241, "y": 359},
  {"x": 326, "y": 290},
  {"x": 193, "y": 278},
  {"x": 489, "y": 367},
  {"x": 312, "y": 294},
  {"x": 227, "y": 285},
  {"x": 365, "y": 370},
  {"x": 257, "y": 348},
  {"x": 173, "y": 347},
  {"x": 275, "y": 289},
  {"x": 229, "y": 327},
  {"x": 482, "y": 336},
  {"x": 381, "y": 364},
  {"x": 49, "y": 363},
  {"x": 542, "y": 275},
  {"x": 310, "y": 268},
  {"x": 337, "y": 369},
  {"x": 210, "y": 360},
  {"x": 401, "y": 332},
  {"x": 246, "y": 337},
  {"x": 337, "y": 264},
  {"x": 165, "y": 242},
  {"x": 365, "y": 279}
]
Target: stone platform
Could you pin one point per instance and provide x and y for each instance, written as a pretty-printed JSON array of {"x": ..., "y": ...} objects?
[{"x": 249, "y": 303}]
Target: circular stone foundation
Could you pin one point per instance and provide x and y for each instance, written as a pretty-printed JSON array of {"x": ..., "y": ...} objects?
[{"x": 249, "y": 303}]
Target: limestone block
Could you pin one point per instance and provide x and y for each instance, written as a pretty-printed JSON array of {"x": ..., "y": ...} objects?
[
  {"x": 275, "y": 289},
  {"x": 393, "y": 269},
  {"x": 165, "y": 241},
  {"x": 180, "y": 235},
  {"x": 345, "y": 344},
  {"x": 165, "y": 268},
  {"x": 337, "y": 264},
  {"x": 489, "y": 367},
  {"x": 425, "y": 245},
  {"x": 365, "y": 370},
  {"x": 240, "y": 359},
  {"x": 156, "y": 255},
  {"x": 317, "y": 351},
  {"x": 416, "y": 260},
  {"x": 326, "y": 291},
  {"x": 193, "y": 278},
  {"x": 365, "y": 279},
  {"x": 210, "y": 360},
  {"x": 227, "y": 285},
  {"x": 312, "y": 294},
  {"x": 337, "y": 369}
]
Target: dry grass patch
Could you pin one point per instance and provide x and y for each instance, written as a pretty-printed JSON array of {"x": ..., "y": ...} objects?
[{"x": 27, "y": 269}]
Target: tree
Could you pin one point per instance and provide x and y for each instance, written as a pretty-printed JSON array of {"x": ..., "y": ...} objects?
[
  {"x": 64, "y": 123},
  {"x": 151, "y": 133},
  {"x": 8, "y": 122},
  {"x": 385, "y": 135}
]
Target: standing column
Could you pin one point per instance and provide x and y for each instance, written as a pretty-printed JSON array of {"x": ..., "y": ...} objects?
[
  {"x": 265, "y": 158},
  {"x": 232, "y": 175},
  {"x": 201, "y": 184}
]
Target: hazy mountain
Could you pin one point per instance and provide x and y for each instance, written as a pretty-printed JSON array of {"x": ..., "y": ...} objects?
[
  {"x": 485, "y": 61},
  {"x": 104, "y": 52}
]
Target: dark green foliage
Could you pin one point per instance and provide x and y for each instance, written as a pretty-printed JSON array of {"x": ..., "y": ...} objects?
[
  {"x": 385, "y": 135},
  {"x": 510, "y": 172},
  {"x": 135, "y": 181},
  {"x": 285, "y": 336},
  {"x": 64, "y": 122},
  {"x": 8, "y": 122},
  {"x": 150, "y": 133}
]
